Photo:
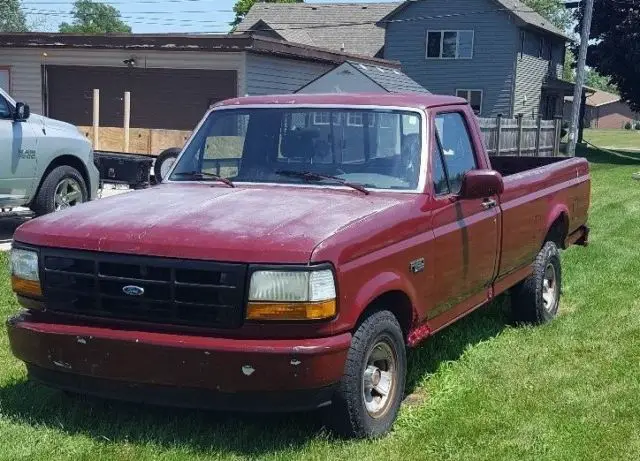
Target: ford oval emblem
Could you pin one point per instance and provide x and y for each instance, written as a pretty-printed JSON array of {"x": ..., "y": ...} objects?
[{"x": 133, "y": 290}]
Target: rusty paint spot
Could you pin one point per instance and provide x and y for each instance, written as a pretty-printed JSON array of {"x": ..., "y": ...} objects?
[
  {"x": 418, "y": 334},
  {"x": 248, "y": 370}
]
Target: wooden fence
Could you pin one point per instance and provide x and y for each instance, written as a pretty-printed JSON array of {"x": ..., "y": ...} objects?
[{"x": 521, "y": 136}]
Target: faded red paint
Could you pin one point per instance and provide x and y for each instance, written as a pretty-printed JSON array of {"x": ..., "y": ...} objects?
[{"x": 471, "y": 255}]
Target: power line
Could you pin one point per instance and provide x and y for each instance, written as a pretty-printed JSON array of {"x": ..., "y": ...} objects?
[
  {"x": 310, "y": 25},
  {"x": 115, "y": 2}
]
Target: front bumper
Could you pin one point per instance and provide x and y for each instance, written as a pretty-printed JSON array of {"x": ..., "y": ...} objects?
[{"x": 172, "y": 369}]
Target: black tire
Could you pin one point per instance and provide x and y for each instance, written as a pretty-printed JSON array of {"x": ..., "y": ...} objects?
[
  {"x": 348, "y": 415},
  {"x": 528, "y": 302},
  {"x": 44, "y": 201},
  {"x": 171, "y": 153}
]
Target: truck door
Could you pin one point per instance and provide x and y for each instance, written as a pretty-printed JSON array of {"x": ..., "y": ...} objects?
[
  {"x": 466, "y": 230},
  {"x": 17, "y": 156}
]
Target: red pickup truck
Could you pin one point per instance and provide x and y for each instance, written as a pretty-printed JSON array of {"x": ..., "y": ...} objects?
[{"x": 298, "y": 246}]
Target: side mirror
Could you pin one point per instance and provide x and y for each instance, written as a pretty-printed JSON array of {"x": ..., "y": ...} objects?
[
  {"x": 22, "y": 112},
  {"x": 481, "y": 184}
]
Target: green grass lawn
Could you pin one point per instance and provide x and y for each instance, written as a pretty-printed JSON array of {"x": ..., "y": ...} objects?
[
  {"x": 482, "y": 389},
  {"x": 619, "y": 139}
]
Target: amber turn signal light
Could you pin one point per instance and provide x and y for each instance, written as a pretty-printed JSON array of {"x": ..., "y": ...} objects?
[
  {"x": 291, "y": 311},
  {"x": 28, "y": 288}
]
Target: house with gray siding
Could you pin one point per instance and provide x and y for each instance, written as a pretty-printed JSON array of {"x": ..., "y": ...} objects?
[
  {"x": 172, "y": 78},
  {"x": 498, "y": 54}
]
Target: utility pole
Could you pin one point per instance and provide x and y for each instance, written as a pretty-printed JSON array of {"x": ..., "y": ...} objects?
[{"x": 580, "y": 71}]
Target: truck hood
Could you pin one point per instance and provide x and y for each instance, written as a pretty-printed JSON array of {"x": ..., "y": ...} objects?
[{"x": 203, "y": 221}]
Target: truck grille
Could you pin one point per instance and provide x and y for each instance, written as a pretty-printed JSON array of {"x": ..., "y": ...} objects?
[{"x": 160, "y": 290}]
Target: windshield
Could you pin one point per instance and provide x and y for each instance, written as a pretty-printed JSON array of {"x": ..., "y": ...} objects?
[{"x": 377, "y": 149}]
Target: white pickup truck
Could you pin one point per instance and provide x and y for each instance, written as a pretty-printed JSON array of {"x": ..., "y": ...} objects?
[{"x": 45, "y": 164}]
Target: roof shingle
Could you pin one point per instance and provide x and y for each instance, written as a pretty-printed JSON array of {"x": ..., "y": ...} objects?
[{"x": 348, "y": 27}]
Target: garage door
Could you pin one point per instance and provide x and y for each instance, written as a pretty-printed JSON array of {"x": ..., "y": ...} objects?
[{"x": 160, "y": 98}]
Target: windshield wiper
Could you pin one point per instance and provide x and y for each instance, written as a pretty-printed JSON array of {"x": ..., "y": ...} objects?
[
  {"x": 311, "y": 176},
  {"x": 203, "y": 176}
]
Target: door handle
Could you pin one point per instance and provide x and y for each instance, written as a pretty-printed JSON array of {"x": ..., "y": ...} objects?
[{"x": 488, "y": 203}]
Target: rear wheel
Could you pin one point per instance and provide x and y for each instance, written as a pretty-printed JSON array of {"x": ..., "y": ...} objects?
[
  {"x": 371, "y": 389},
  {"x": 63, "y": 188},
  {"x": 164, "y": 162},
  {"x": 537, "y": 298}
]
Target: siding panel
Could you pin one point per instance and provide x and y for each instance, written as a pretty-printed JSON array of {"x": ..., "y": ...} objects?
[
  {"x": 270, "y": 75},
  {"x": 492, "y": 67},
  {"x": 532, "y": 71}
]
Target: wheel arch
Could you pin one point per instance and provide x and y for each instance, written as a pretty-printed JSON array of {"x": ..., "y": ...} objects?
[
  {"x": 557, "y": 226},
  {"x": 388, "y": 291},
  {"x": 64, "y": 160}
]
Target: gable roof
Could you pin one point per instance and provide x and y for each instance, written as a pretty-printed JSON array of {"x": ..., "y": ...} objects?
[
  {"x": 390, "y": 79},
  {"x": 598, "y": 98},
  {"x": 525, "y": 14},
  {"x": 350, "y": 27}
]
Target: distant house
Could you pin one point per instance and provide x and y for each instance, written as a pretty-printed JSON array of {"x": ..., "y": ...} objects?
[
  {"x": 499, "y": 54},
  {"x": 347, "y": 27},
  {"x": 603, "y": 110}
]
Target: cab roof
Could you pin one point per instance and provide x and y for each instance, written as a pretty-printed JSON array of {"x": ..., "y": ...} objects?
[{"x": 408, "y": 100}]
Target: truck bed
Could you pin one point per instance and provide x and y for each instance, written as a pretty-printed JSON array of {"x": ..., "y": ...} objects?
[{"x": 508, "y": 166}]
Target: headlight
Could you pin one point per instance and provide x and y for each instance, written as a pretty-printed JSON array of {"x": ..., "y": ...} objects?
[
  {"x": 292, "y": 295},
  {"x": 25, "y": 276}
]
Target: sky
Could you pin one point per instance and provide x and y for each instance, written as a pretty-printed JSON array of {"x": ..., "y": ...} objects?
[{"x": 149, "y": 16}]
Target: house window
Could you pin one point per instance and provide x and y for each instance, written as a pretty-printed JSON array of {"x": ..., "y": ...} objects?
[
  {"x": 474, "y": 97},
  {"x": 354, "y": 119},
  {"x": 385, "y": 120},
  {"x": 449, "y": 44},
  {"x": 321, "y": 118}
]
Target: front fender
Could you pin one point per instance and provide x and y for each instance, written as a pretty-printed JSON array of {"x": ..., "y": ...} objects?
[{"x": 381, "y": 284}]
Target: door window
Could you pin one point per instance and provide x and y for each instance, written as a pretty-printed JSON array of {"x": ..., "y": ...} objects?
[
  {"x": 5, "y": 109},
  {"x": 440, "y": 182},
  {"x": 457, "y": 150}
]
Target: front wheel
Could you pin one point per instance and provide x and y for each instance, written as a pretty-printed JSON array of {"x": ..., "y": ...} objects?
[
  {"x": 537, "y": 298},
  {"x": 370, "y": 392},
  {"x": 63, "y": 188}
]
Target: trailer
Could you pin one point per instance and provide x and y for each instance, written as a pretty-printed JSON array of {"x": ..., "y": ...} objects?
[{"x": 138, "y": 171}]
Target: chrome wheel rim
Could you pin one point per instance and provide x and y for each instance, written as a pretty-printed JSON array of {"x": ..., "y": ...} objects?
[
  {"x": 549, "y": 288},
  {"x": 166, "y": 166},
  {"x": 68, "y": 193},
  {"x": 379, "y": 379}
]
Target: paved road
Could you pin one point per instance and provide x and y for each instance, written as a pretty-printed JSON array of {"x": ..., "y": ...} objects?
[{"x": 9, "y": 222}]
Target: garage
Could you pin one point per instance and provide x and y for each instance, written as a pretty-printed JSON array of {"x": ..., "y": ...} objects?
[{"x": 160, "y": 98}]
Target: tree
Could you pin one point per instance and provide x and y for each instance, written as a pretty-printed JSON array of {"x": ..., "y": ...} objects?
[
  {"x": 242, "y": 7},
  {"x": 553, "y": 10},
  {"x": 12, "y": 18},
  {"x": 94, "y": 18},
  {"x": 594, "y": 80},
  {"x": 614, "y": 49},
  {"x": 569, "y": 68}
]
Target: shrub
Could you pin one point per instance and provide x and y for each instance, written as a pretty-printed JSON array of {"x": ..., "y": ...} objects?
[
  {"x": 627, "y": 126},
  {"x": 637, "y": 126}
]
